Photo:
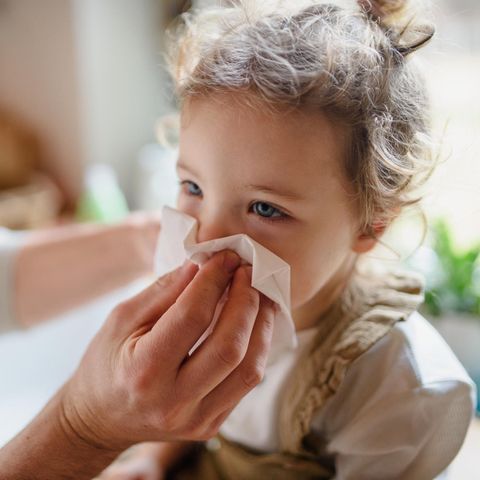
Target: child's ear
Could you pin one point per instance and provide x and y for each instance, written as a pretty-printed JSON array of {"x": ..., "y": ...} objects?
[{"x": 365, "y": 241}]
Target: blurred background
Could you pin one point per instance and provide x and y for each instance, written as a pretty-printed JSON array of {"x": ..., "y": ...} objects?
[{"x": 82, "y": 90}]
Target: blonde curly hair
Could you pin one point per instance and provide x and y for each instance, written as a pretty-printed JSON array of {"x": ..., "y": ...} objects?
[{"x": 350, "y": 62}]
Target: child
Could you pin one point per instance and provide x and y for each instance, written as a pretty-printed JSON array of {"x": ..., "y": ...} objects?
[{"x": 304, "y": 125}]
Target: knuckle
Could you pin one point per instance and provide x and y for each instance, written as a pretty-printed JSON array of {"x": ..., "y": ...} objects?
[
  {"x": 184, "y": 310},
  {"x": 205, "y": 431},
  {"x": 198, "y": 429},
  {"x": 121, "y": 311},
  {"x": 166, "y": 420},
  {"x": 230, "y": 353},
  {"x": 209, "y": 433},
  {"x": 169, "y": 419},
  {"x": 191, "y": 314},
  {"x": 140, "y": 384},
  {"x": 163, "y": 282},
  {"x": 133, "y": 383},
  {"x": 210, "y": 422},
  {"x": 252, "y": 375},
  {"x": 215, "y": 425}
]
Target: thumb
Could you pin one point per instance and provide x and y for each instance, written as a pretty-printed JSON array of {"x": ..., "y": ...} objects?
[{"x": 150, "y": 304}]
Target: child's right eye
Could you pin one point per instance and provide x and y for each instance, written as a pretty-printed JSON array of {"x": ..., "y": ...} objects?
[{"x": 191, "y": 188}]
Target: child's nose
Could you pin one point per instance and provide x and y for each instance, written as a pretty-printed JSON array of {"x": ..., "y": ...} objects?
[{"x": 214, "y": 226}]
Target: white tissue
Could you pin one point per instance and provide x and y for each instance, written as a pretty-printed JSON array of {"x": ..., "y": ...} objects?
[{"x": 270, "y": 274}]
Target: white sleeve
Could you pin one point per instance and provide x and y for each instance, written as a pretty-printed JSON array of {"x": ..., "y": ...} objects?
[
  {"x": 402, "y": 411},
  {"x": 10, "y": 243}
]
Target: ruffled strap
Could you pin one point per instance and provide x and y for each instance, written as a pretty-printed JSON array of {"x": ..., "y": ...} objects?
[{"x": 366, "y": 311}]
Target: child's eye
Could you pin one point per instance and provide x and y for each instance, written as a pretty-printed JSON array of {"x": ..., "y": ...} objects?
[
  {"x": 267, "y": 211},
  {"x": 192, "y": 188}
]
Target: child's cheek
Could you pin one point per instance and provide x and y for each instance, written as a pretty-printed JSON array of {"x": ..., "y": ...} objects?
[
  {"x": 304, "y": 286},
  {"x": 311, "y": 274}
]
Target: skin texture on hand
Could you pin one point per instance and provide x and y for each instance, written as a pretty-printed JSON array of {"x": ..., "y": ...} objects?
[{"x": 136, "y": 382}]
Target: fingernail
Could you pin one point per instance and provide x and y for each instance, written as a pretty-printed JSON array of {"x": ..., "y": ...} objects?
[{"x": 231, "y": 261}]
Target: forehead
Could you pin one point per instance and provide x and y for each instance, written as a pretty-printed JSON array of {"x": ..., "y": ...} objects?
[{"x": 235, "y": 136}]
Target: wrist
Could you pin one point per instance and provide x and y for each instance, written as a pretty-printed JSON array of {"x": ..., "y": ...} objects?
[
  {"x": 52, "y": 435},
  {"x": 83, "y": 434},
  {"x": 80, "y": 429},
  {"x": 83, "y": 428}
]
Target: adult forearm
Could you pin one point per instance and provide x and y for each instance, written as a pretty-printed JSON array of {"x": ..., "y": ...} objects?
[
  {"x": 49, "y": 449},
  {"x": 62, "y": 268},
  {"x": 136, "y": 381}
]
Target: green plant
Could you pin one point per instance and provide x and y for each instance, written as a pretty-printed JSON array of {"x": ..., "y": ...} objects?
[{"x": 457, "y": 283}]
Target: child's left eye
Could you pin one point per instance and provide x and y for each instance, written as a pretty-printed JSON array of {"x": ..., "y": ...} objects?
[
  {"x": 191, "y": 188},
  {"x": 267, "y": 211}
]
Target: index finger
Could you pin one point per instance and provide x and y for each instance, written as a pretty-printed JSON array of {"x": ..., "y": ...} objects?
[
  {"x": 185, "y": 321},
  {"x": 225, "y": 348}
]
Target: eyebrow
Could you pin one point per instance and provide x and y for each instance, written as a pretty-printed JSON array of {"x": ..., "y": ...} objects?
[
  {"x": 281, "y": 193},
  {"x": 183, "y": 166}
]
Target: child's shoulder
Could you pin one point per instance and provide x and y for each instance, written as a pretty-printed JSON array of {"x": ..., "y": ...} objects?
[
  {"x": 416, "y": 347},
  {"x": 412, "y": 347},
  {"x": 405, "y": 402},
  {"x": 411, "y": 360},
  {"x": 411, "y": 356}
]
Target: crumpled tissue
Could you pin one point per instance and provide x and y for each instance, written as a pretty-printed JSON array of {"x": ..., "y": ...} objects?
[{"x": 270, "y": 274}]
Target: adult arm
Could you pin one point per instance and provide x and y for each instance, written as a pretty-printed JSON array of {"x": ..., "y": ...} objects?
[
  {"x": 60, "y": 268},
  {"x": 136, "y": 381}
]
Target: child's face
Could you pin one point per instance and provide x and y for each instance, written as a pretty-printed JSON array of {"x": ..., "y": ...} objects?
[{"x": 278, "y": 178}]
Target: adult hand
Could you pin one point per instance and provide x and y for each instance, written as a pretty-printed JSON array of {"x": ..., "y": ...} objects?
[{"x": 136, "y": 381}]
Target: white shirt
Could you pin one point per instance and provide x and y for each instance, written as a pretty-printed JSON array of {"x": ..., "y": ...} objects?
[
  {"x": 10, "y": 242},
  {"x": 401, "y": 413}
]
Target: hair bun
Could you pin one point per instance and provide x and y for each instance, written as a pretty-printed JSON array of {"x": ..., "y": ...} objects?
[
  {"x": 399, "y": 18},
  {"x": 385, "y": 11}
]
